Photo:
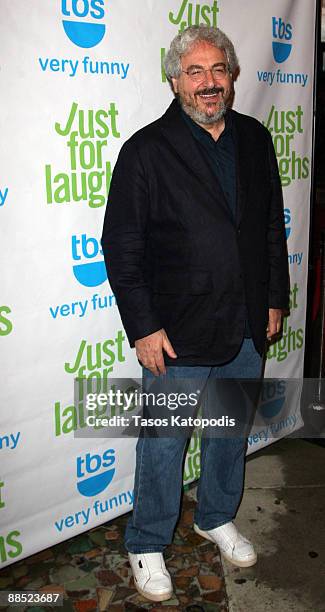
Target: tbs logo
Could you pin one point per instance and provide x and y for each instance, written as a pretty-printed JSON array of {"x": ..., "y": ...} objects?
[
  {"x": 287, "y": 221},
  {"x": 84, "y": 28},
  {"x": 92, "y": 273},
  {"x": 90, "y": 482},
  {"x": 272, "y": 398},
  {"x": 281, "y": 31}
]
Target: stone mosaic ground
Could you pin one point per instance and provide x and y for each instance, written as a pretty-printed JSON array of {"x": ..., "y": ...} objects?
[{"x": 92, "y": 572}]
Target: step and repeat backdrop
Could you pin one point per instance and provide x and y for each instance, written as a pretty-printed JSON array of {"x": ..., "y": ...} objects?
[{"x": 77, "y": 78}]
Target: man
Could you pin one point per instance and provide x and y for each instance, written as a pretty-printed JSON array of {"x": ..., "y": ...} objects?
[{"x": 195, "y": 250}]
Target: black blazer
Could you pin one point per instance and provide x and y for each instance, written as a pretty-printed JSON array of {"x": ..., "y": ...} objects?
[{"x": 176, "y": 258}]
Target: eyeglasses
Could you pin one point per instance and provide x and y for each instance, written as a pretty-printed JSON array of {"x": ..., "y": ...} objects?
[{"x": 197, "y": 74}]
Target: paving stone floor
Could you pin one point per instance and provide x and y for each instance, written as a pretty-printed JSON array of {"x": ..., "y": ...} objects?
[{"x": 92, "y": 572}]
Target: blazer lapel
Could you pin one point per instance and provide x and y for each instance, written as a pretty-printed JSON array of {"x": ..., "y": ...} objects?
[
  {"x": 243, "y": 152},
  {"x": 180, "y": 137}
]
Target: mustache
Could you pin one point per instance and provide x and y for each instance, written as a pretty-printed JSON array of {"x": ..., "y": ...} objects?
[{"x": 210, "y": 91}]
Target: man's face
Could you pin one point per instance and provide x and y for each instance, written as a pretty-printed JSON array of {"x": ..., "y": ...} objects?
[{"x": 205, "y": 101}]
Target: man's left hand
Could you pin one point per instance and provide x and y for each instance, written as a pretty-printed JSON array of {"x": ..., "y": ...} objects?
[{"x": 275, "y": 322}]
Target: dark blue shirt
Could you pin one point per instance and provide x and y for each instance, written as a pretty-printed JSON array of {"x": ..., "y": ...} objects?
[{"x": 220, "y": 155}]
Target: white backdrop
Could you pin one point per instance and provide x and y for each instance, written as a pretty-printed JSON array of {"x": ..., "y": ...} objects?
[{"x": 78, "y": 77}]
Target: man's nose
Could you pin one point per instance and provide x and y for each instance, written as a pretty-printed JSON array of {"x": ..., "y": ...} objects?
[{"x": 210, "y": 78}]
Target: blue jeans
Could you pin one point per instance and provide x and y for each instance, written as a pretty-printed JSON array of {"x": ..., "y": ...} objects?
[{"x": 159, "y": 467}]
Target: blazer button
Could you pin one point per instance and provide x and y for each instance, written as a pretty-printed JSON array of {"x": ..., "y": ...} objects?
[{"x": 238, "y": 231}]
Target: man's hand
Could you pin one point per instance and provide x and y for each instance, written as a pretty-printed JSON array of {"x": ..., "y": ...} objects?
[
  {"x": 275, "y": 322},
  {"x": 150, "y": 351}
]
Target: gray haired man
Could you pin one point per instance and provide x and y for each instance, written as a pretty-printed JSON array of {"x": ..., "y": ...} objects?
[{"x": 195, "y": 249}]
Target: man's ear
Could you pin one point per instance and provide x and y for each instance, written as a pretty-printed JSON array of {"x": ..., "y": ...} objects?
[{"x": 175, "y": 85}]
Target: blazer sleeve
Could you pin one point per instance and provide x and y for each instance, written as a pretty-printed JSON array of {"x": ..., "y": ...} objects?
[
  {"x": 124, "y": 242},
  {"x": 279, "y": 282}
]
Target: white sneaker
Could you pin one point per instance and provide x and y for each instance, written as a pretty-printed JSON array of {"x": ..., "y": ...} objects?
[
  {"x": 151, "y": 577},
  {"x": 233, "y": 546}
]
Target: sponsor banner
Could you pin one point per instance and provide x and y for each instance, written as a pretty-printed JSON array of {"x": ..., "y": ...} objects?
[{"x": 77, "y": 78}]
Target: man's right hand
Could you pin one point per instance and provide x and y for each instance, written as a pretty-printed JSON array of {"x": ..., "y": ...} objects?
[{"x": 150, "y": 351}]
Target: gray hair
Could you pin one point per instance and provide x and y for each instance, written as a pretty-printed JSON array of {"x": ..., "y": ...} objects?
[{"x": 183, "y": 42}]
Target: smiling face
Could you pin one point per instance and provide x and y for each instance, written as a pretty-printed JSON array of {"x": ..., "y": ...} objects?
[{"x": 205, "y": 101}]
